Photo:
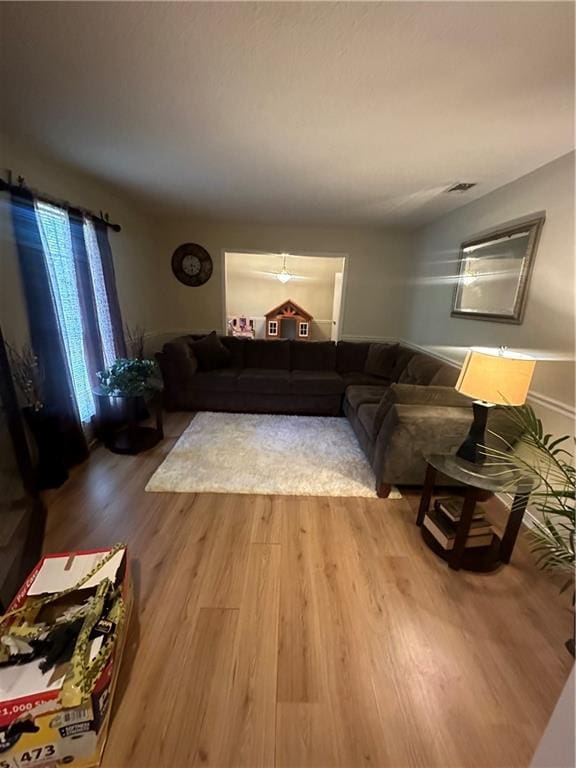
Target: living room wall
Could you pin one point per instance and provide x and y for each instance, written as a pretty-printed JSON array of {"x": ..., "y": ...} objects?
[
  {"x": 548, "y": 327},
  {"x": 151, "y": 296},
  {"x": 133, "y": 248},
  {"x": 376, "y": 263}
]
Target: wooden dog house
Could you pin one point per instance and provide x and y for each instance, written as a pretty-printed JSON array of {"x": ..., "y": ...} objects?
[{"x": 288, "y": 321}]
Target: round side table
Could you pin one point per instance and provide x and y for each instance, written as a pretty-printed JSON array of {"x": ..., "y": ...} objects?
[
  {"x": 118, "y": 418},
  {"x": 476, "y": 478}
]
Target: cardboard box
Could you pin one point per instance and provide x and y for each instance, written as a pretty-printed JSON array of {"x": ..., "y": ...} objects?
[{"x": 37, "y": 729}]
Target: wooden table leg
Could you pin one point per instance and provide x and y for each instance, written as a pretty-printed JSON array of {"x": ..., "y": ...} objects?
[
  {"x": 514, "y": 522},
  {"x": 463, "y": 528},
  {"x": 426, "y": 494}
]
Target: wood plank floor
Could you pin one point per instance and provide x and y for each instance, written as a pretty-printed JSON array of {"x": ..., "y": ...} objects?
[{"x": 291, "y": 631}]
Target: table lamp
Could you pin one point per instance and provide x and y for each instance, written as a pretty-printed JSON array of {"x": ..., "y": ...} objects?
[{"x": 491, "y": 377}]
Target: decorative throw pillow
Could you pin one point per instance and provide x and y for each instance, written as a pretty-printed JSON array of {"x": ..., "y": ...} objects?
[
  {"x": 381, "y": 359},
  {"x": 210, "y": 353}
]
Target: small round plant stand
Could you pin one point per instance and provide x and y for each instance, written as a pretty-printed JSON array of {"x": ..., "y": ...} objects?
[{"x": 119, "y": 420}]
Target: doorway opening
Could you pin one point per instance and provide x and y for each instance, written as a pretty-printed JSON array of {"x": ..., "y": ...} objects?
[{"x": 284, "y": 296}]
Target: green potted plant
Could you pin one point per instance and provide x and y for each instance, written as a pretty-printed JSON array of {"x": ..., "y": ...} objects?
[
  {"x": 121, "y": 401},
  {"x": 545, "y": 460},
  {"x": 130, "y": 377}
]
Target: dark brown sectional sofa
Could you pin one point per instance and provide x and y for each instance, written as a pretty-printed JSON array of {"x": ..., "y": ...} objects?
[{"x": 401, "y": 404}]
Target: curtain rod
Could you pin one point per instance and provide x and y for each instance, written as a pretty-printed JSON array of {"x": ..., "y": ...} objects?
[{"x": 7, "y": 186}]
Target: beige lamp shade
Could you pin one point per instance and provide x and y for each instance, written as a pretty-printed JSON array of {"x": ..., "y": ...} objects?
[{"x": 496, "y": 376}]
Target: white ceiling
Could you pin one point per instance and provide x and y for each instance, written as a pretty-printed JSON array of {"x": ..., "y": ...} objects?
[
  {"x": 340, "y": 113},
  {"x": 311, "y": 269}
]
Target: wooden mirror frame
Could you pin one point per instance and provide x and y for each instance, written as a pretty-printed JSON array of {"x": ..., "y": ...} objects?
[{"x": 533, "y": 226}]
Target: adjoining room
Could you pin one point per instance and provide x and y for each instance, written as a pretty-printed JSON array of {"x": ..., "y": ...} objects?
[{"x": 257, "y": 284}]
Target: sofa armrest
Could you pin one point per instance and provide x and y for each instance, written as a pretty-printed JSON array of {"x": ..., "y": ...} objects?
[
  {"x": 178, "y": 365},
  {"x": 409, "y": 432},
  {"x": 417, "y": 394},
  {"x": 182, "y": 358}
]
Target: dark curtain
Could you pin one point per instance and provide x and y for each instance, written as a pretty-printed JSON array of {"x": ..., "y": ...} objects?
[
  {"x": 45, "y": 332},
  {"x": 110, "y": 282}
]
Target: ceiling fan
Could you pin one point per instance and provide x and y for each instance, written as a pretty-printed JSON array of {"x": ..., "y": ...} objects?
[{"x": 283, "y": 274}]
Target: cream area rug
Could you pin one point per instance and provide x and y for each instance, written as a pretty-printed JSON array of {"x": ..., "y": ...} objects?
[{"x": 267, "y": 454}]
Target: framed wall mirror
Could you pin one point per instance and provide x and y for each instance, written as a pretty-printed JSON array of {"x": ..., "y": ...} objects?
[{"x": 494, "y": 272}]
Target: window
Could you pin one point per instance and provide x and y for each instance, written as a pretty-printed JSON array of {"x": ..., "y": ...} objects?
[
  {"x": 302, "y": 329},
  {"x": 56, "y": 236},
  {"x": 272, "y": 328},
  {"x": 100, "y": 295}
]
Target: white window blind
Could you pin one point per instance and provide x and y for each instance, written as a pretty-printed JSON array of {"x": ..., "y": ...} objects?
[
  {"x": 57, "y": 245},
  {"x": 100, "y": 295},
  {"x": 56, "y": 236}
]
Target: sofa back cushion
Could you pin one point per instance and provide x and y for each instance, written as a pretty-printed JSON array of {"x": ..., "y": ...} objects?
[
  {"x": 312, "y": 355},
  {"x": 381, "y": 359},
  {"x": 351, "y": 356},
  {"x": 420, "y": 369},
  {"x": 236, "y": 348},
  {"x": 446, "y": 376},
  {"x": 403, "y": 357},
  {"x": 211, "y": 353},
  {"x": 259, "y": 353}
]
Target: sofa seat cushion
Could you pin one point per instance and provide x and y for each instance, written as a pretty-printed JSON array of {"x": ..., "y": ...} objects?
[
  {"x": 316, "y": 383},
  {"x": 358, "y": 378},
  {"x": 267, "y": 354},
  {"x": 312, "y": 355},
  {"x": 360, "y": 394},
  {"x": 367, "y": 415},
  {"x": 221, "y": 380},
  {"x": 264, "y": 381}
]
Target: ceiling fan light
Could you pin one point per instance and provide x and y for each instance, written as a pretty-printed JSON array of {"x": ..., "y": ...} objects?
[{"x": 284, "y": 275}]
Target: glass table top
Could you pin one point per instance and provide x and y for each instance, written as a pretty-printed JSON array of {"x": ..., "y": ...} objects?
[{"x": 487, "y": 477}]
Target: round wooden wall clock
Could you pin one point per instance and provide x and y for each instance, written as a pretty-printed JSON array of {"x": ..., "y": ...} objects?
[{"x": 192, "y": 264}]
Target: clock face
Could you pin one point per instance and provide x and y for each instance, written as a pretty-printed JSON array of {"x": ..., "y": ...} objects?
[{"x": 192, "y": 264}]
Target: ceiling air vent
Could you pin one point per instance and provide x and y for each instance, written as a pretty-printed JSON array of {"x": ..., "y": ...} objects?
[{"x": 462, "y": 186}]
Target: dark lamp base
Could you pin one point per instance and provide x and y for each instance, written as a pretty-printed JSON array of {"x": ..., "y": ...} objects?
[{"x": 472, "y": 449}]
